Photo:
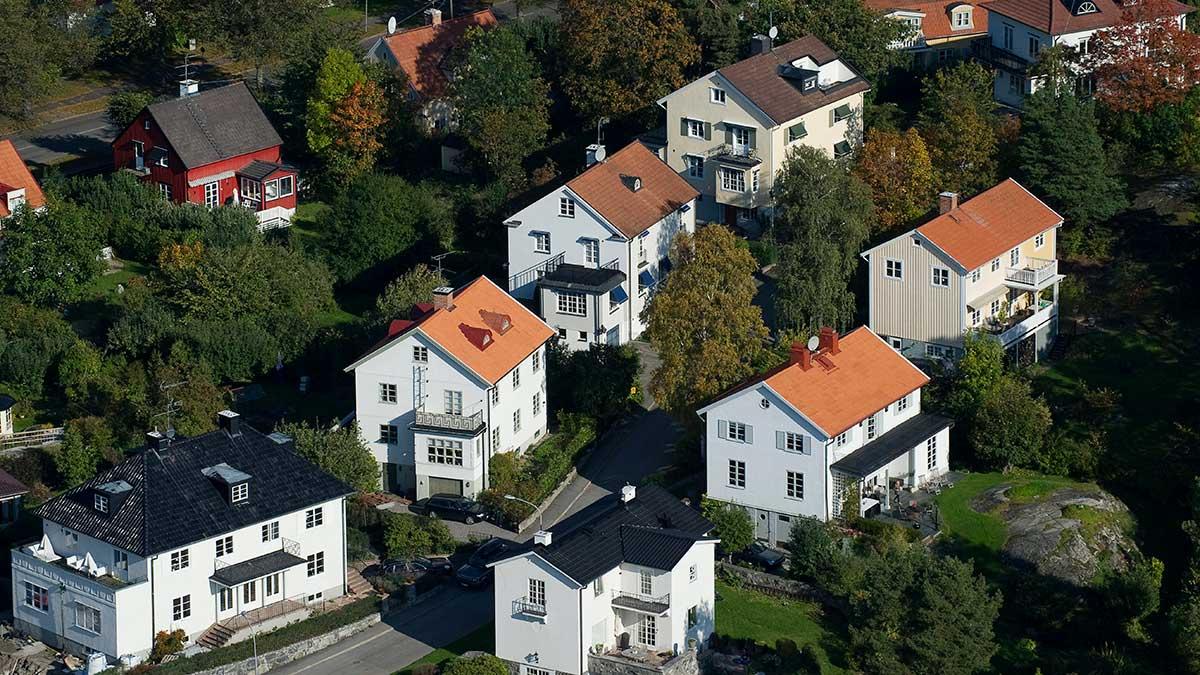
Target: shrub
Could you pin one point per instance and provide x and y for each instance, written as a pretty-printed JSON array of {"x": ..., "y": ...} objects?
[
  {"x": 483, "y": 664},
  {"x": 358, "y": 545},
  {"x": 425, "y": 669},
  {"x": 731, "y": 524},
  {"x": 765, "y": 253},
  {"x": 166, "y": 644},
  {"x": 410, "y": 536}
]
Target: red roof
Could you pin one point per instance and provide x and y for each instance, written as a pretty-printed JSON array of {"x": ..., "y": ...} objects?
[
  {"x": 990, "y": 224},
  {"x": 14, "y": 174},
  {"x": 935, "y": 25},
  {"x": 421, "y": 52},
  {"x": 608, "y": 187},
  {"x": 1057, "y": 17}
]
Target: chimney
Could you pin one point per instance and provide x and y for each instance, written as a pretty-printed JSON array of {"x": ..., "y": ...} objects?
[
  {"x": 829, "y": 340},
  {"x": 433, "y": 17},
  {"x": 760, "y": 44},
  {"x": 628, "y": 493},
  {"x": 230, "y": 422},
  {"x": 543, "y": 537},
  {"x": 443, "y": 298},
  {"x": 595, "y": 153},
  {"x": 799, "y": 354},
  {"x": 188, "y": 88},
  {"x": 156, "y": 440},
  {"x": 947, "y": 201}
]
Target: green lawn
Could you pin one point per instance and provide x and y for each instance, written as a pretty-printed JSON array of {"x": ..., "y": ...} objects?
[
  {"x": 743, "y": 613},
  {"x": 482, "y": 639}
]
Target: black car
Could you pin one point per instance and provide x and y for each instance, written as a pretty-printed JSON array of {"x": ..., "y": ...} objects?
[
  {"x": 476, "y": 573},
  {"x": 762, "y": 556},
  {"x": 450, "y": 507}
]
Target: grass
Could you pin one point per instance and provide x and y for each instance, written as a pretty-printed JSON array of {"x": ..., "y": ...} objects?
[
  {"x": 743, "y": 613},
  {"x": 482, "y": 639}
]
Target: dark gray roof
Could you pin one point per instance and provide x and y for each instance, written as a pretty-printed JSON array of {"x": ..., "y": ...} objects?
[
  {"x": 879, "y": 452},
  {"x": 573, "y": 277},
  {"x": 256, "y": 568},
  {"x": 173, "y": 503},
  {"x": 7, "y": 401},
  {"x": 10, "y": 486},
  {"x": 259, "y": 169},
  {"x": 214, "y": 125},
  {"x": 654, "y": 529}
]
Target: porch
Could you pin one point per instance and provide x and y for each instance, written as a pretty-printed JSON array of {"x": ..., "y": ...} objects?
[
  {"x": 910, "y": 507},
  {"x": 638, "y": 660}
]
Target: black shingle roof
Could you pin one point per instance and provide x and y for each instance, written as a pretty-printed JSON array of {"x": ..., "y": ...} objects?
[
  {"x": 256, "y": 568},
  {"x": 173, "y": 503},
  {"x": 214, "y": 125},
  {"x": 874, "y": 455},
  {"x": 573, "y": 277},
  {"x": 7, "y": 401},
  {"x": 654, "y": 529}
]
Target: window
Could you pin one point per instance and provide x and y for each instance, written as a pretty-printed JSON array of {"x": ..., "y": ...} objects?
[
  {"x": 645, "y": 583},
  {"x": 1014, "y": 83},
  {"x": 1014, "y": 257},
  {"x": 716, "y": 95},
  {"x": 796, "y": 132},
  {"x": 495, "y": 396},
  {"x": 101, "y": 503},
  {"x": 181, "y": 607},
  {"x": 249, "y": 592},
  {"x": 793, "y": 442},
  {"x": 452, "y": 402},
  {"x": 387, "y": 392},
  {"x": 995, "y": 264},
  {"x": 962, "y": 19},
  {"x": 251, "y": 190},
  {"x": 271, "y": 189},
  {"x": 841, "y": 149},
  {"x": 941, "y": 277},
  {"x": 225, "y": 599},
  {"x": 212, "y": 194},
  {"x": 37, "y": 597},
  {"x": 516, "y": 377},
  {"x": 931, "y": 453},
  {"x": 271, "y": 585},
  {"x": 165, "y": 190},
  {"x": 737, "y": 473},
  {"x": 566, "y": 207},
  {"x": 87, "y": 618},
  {"x": 286, "y": 186},
  {"x": 421, "y": 354},
  {"x": 442, "y": 451},
  {"x": 179, "y": 560},
  {"x": 893, "y": 269},
  {"x": 995, "y": 307},
  {"x": 648, "y": 631},
  {"x": 795, "y": 485},
  {"x": 145, "y": 124},
  {"x": 571, "y": 303},
  {"x": 541, "y": 242},
  {"x": 270, "y": 531},
  {"x": 1086, "y": 7},
  {"x": 313, "y": 597},
  {"x": 598, "y": 587},
  {"x": 591, "y": 251},
  {"x": 641, "y": 251},
  {"x": 695, "y": 165},
  {"x": 389, "y": 433},
  {"x": 495, "y": 438},
  {"x": 842, "y": 112},
  {"x": 1040, "y": 240},
  {"x": 733, "y": 180},
  {"x": 530, "y": 670},
  {"x": 1008, "y": 37},
  {"x": 316, "y": 563},
  {"x": 516, "y": 420},
  {"x": 315, "y": 517},
  {"x": 692, "y": 572},
  {"x": 841, "y": 439},
  {"x": 224, "y": 546},
  {"x": 871, "y": 427},
  {"x": 737, "y": 431},
  {"x": 537, "y": 403},
  {"x": 239, "y": 492},
  {"x": 1035, "y": 45},
  {"x": 537, "y": 592},
  {"x": 902, "y": 404},
  {"x": 936, "y": 351},
  {"x": 695, "y": 128},
  {"x": 896, "y": 343},
  {"x": 975, "y": 275},
  {"x": 975, "y": 316},
  {"x": 537, "y": 361},
  {"x": 741, "y": 139},
  {"x": 163, "y": 156},
  {"x": 754, "y": 180}
]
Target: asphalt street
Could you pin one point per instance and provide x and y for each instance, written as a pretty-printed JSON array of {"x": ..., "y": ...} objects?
[{"x": 85, "y": 136}]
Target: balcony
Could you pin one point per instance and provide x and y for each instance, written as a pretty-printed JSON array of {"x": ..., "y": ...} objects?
[
  {"x": 999, "y": 57},
  {"x": 524, "y": 606},
  {"x": 1034, "y": 276},
  {"x": 138, "y": 166},
  {"x": 1021, "y": 323},
  {"x": 71, "y": 571},
  {"x": 736, "y": 155},
  {"x": 463, "y": 424},
  {"x": 534, "y": 272},
  {"x": 645, "y": 604}
]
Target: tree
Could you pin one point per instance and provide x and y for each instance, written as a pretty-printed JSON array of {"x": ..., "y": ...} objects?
[
  {"x": 715, "y": 28},
  {"x": 702, "y": 322},
  {"x": 404, "y": 537},
  {"x": 32, "y": 341},
  {"x": 263, "y": 32},
  {"x": 340, "y": 453},
  {"x": 731, "y": 524},
  {"x": 980, "y": 368},
  {"x": 27, "y": 66},
  {"x": 504, "y": 112},
  {"x": 860, "y": 35},
  {"x": 483, "y": 664},
  {"x": 1133, "y": 595},
  {"x": 812, "y": 549},
  {"x": 343, "y": 117},
  {"x": 127, "y": 212},
  {"x": 1010, "y": 424},
  {"x": 897, "y": 168},
  {"x": 596, "y": 382},
  {"x": 398, "y": 297},
  {"x": 77, "y": 459},
  {"x": 51, "y": 255},
  {"x": 1184, "y": 625},
  {"x": 957, "y": 124},
  {"x": 823, "y": 216},
  {"x": 622, "y": 55},
  {"x": 1146, "y": 60},
  {"x": 124, "y": 107}
]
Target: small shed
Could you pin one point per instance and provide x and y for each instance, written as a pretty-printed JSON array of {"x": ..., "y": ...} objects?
[{"x": 11, "y": 492}]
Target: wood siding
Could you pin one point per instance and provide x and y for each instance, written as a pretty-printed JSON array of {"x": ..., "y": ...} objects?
[{"x": 912, "y": 307}]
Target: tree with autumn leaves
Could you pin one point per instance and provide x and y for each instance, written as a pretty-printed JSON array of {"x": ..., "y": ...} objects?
[
  {"x": 897, "y": 168},
  {"x": 1147, "y": 60},
  {"x": 959, "y": 128},
  {"x": 344, "y": 117}
]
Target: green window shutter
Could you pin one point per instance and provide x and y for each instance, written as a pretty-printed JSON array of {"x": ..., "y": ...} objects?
[
  {"x": 753, "y": 135},
  {"x": 683, "y": 127}
]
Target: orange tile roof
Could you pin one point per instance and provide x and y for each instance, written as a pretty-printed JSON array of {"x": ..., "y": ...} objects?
[
  {"x": 604, "y": 186},
  {"x": 421, "y": 52},
  {"x": 936, "y": 23},
  {"x": 990, "y": 224},
  {"x": 15, "y": 174},
  {"x": 866, "y": 375},
  {"x": 473, "y": 329}
]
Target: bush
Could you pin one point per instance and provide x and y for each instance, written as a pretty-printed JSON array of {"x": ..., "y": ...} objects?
[
  {"x": 731, "y": 523},
  {"x": 358, "y": 545},
  {"x": 765, "y": 253},
  {"x": 166, "y": 644},
  {"x": 409, "y": 536},
  {"x": 483, "y": 664}
]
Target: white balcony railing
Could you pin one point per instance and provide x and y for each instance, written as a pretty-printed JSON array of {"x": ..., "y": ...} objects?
[
  {"x": 1034, "y": 275},
  {"x": 528, "y": 608},
  {"x": 468, "y": 423},
  {"x": 1026, "y": 325}
]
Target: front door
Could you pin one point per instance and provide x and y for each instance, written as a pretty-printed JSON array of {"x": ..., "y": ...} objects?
[
  {"x": 439, "y": 486},
  {"x": 731, "y": 216}
]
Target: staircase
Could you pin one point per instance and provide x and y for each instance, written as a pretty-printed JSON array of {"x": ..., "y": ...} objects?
[
  {"x": 215, "y": 637},
  {"x": 358, "y": 585}
]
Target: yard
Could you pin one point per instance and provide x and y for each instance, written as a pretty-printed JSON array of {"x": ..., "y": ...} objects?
[
  {"x": 482, "y": 639},
  {"x": 745, "y": 614}
]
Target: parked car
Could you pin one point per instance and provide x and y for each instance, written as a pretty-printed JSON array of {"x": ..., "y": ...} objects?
[
  {"x": 450, "y": 507},
  {"x": 476, "y": 573},
  {"x": 414, "y": 567},
  {"x": 762, "y": 556}
]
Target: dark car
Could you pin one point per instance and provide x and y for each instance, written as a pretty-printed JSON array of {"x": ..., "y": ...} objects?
[
  {"x": 762, "y": 556},
  {"x": 450, "y": 507},
  {"x": 476, "y": 573}
]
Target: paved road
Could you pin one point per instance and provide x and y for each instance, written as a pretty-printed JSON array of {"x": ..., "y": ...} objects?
[
  {"x": 403, "y": 637},
  {"x": 85, "y": 135}
]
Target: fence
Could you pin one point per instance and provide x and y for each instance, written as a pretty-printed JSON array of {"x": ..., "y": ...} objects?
[{"x": 31, "y": 439}]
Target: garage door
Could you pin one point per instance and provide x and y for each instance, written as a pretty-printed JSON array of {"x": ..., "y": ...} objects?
[{"x": 439, "y": 486}]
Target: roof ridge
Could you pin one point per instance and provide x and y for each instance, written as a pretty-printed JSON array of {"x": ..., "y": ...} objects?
[{"x": 194, "y": 111}]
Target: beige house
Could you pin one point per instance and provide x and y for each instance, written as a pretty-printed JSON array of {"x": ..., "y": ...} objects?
[
  {"x": 988, "y": 265},
  {"x": 729, "y": 132}
]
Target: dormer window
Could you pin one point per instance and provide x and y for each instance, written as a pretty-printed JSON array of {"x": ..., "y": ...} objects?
[
  {"x": 101, "y": 503},
  {"x": 239, "y": 493},
  {"x": 962, "y": 19},
  {"x": 1086, "y": 7},
  {"x": 234, "y": 484},
  {"x": 810, "y": 83}
]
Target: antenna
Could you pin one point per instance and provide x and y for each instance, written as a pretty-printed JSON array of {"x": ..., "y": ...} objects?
[
  {"x": 173, "y": 406},
  {"x": 813, "y": 343},
  {"x": 439, "y": 257},
  {"x": 599, "y": 125}
]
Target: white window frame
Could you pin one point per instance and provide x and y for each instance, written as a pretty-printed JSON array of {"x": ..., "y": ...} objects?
[
  {"x": 995, "y": 264},
  {"x": 1039, "y": 240},
  {"x": 516, "y": 377},
  {"x": 975, "y": 274},
  {"x": 272, "y": 585},
  {"x": 180, "y": 560},
  {"x": 994, "y": 308},
  {"x": 931, "y": 454},
  {"x": 452, "y": 403},
  {"x": 737, "y": 474},
  {"x": 647, "y": 633},
  {"x": 181, "y": 607},
  {"x": 316, "y": 564},
  {"x": 541, "y": 242},
  {"x": 976, "y": 316},
  {"x": 793, "y": 442},
  {"x": 389, "y": 393},
  {"x": 695, "y": 128},
  {"x": 537, "y": 403},
  {"x": 37, "y": 597},
  {"x": 591, "y": 251},
  {"x": 164, "y": 159},
  {"x": 716, "y": 95},
  {"x": 239, "y": 492},
  {"x": 692, "y": 572},
  {"x": 962, "y": 19},
  {"x": 91, "y": 618},
  {"x": 871, "y": 427},
  {"x": 754, "y": 181},
  {"x": 1014, "y": 257},
  {"x": 842, "y": 439},
  {"x": 100, "y": 502},
  {"x": 537, "y": 361},
  {"x": 566, "y": 207},
  {"x": 571, "y": 303},
  {"x": 270, "y": 531},
  {"x": 795, "y": 485},
  {"x": 646, "y": 583},
  {"x": 314, "y": 517},
  {"x": 224, "y": 546},
  {"x": 695, "y": 165},
  {"x": 166, "y": 190},
  {"x": 939, "y": 277},
  {"x": 736, "y": 431},
  {"x": 740, "y": 137},
  {"x": 389, "y": 434},
  {"x": 444, "y": 451},
  {"x": 291, "y": 186},
  {"x": 420, "y": 354},
  {"x": 212, "y": 194},
  {"x": 517, "y": 421},
  {"x": 893, "y": 269},
  {"x": 902, "y": 403},
  {"x": 537, "y": 593},
  {"x": 495, "y": 438},
  {"x": 733, "y": 180}
]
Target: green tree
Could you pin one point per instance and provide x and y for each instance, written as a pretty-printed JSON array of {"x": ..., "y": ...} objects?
[
  {"x": 32, "y": 341},
  {"x": 79, "y": 366},
  {"x": 823, "y": 216},
  {"x": 343, "y": 117},
  {"x": 398, "y": 297},
  {"x": 622, "y": 55},
  {"x": 980, "y": 368},
  {"x": 596, "y": 382},
  {"x": 263, "y": 32},
  {"x": 959, "y": 129},
  {"x": 812, "y": 549},
  {"x": 1133, "y": 595},
  {"x": 124, "y": 107},
  {"x": 1184, "y": 630},
  {"x": 731, "y": 524},
  {"x": 715, "y": 28},
  {"x": 127, "y": 212},
  {"x": 702, "y": 322},
  {"x": 340, "y": 453},
  {"x": 502, "y": 102},
  {"x": 51, "y": 255},
  {"x": 1010, "y": 424},
  {"x": 897, "y": 168},
  {"x": 78, "y": 458},
  {"x": 483, "y": 664},
  {"x": 861, "y": 36},
  {"x": 404, "y": 536},
  {"x": 27, "y": 64}
]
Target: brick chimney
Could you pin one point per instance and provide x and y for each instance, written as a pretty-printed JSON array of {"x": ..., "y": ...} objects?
[
  {"x": 433, "y": 17},
  {"x": 829, "y": 340},
  {"x": 947, "y": 201},
  {"x": 443, "y": 298},
  {"x": 799, "y": 354}
]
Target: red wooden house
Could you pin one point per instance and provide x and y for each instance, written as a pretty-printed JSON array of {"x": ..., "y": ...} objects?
[{"x": 211, "y": 148}]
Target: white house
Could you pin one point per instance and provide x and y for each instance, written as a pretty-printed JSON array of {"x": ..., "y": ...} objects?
[
  {"x": 1018, "y": 31},
  {"x": 623, "y": 586},
  {"x": 790, "y": 442},
  {"x": 988, "y": 265},
  {"x": 218, "y": 535},
  {"x": 729, "y": 132},
  {"x": 444, "y": 391},
  {"x": 592, "y": 251}
]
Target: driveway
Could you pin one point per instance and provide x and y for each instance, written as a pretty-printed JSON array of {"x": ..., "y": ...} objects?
[
  {"x": 461, "y": 531},
  {"x": 403, "y": 637}
]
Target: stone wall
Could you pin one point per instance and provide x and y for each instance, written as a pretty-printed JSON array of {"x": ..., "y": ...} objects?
[
  {"x": 607, "y": 664},
  {"x": 773, "y": 584},
  {"x": 293, "y": 652}
]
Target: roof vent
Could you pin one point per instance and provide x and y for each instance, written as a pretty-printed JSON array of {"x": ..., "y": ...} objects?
[
  {"x": 628, "y": 493},
  {"x": 156, "y": 440},
  {"x": 543, "y": 537},
  {"x": 501, "y": 323},
  {"x": 188, "y": 88},
  {"x": 279, "y": 438},
  {"x": 634, "y": 183}
]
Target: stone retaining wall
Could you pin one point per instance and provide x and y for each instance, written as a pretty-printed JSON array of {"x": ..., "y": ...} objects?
[
  {"x": 607, "y": 664},
  {"x": 293, "y": 652},
  {"x": 773, "y": 584}
]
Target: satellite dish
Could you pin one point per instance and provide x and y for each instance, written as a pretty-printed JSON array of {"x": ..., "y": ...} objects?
[
  {"x": 813, "y": 343},
  {"x": 773, "y": 33},
  {"x": 601, "y": 153},
  {"x": 391, "y": 25}
]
